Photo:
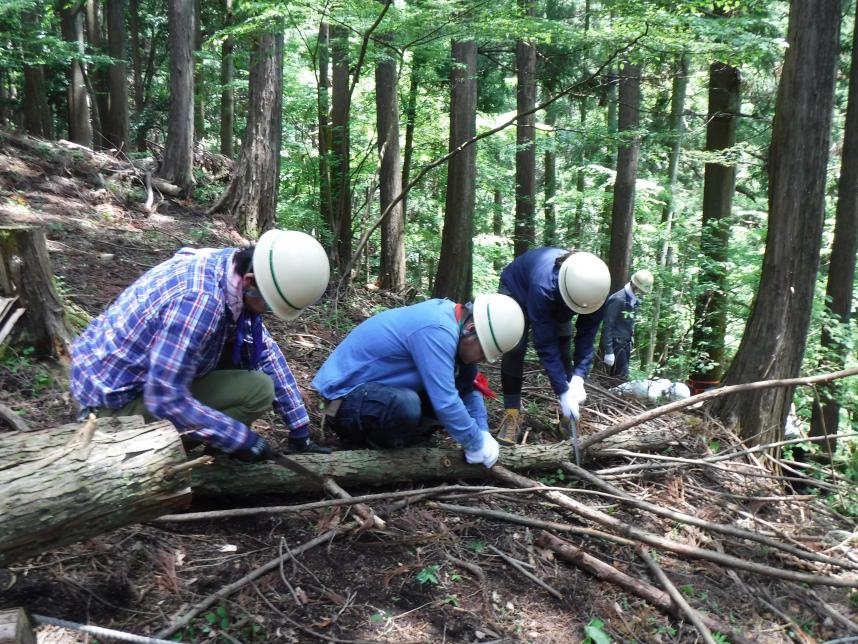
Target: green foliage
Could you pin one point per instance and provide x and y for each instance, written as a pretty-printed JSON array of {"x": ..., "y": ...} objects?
[
  {"x": 429, "y": 574},
  {"x": 26, "y": 368},
  {"x": 558, "y": 476},
  {"x": 595, "y": 633}
]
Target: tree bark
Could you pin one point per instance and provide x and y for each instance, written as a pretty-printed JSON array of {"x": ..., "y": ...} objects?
[
  {"x": 25, "y": 263},
  {"x": 549, "y": 182},
  {"x": 455, "y": 266},
  {"x": 178, "y": 164},
  {"x": 525, "y": 139},
  {"x": 351, "y": 468},
  {"x": 710, "y": 311},
  {"x": 64, "y": 485},
  {"x": 227, "y": 94},
  {"x": 392, "y": 265},
  {"x": 198, "y": 84},
  {"x": 251, "y": 197},
  {"x": 115, "y": 123},
  {"x": 841, "y": 269},
  {"x": 97, "y": 75},
  {"x": 323, "y": 105},
  {"x": 137, "y": 74},
  {"x": 80, "y": 127},
  {"x": 774, "y": 341},
  {"x": 658, "y": 339},
  {"x": 417, "y": 63},
  {"x": 37, "y": 112},
  {"x": 341, "y": 147},
  {"x": 609, "y": 97},
  {"x": 623, "y": 209}
]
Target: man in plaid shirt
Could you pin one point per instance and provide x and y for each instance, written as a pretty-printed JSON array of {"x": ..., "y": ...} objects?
[{"x": 186, "y": 343}]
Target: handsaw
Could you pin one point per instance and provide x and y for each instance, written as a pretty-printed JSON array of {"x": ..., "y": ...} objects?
[
  {"x": 329, "y": 485},
  {"x": 570, "y": 424}
]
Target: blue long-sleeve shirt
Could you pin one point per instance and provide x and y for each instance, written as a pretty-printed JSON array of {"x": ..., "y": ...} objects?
[
  {"x": 165, "y": 330},
  {"x": 412, "y": 347},
  {"x": 531, "y": 279}
]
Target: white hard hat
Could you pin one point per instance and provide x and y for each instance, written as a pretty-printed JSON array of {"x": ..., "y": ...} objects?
[
  {"x": 291, "y": 269},
  {"x": 499, "y": 323},
  {"x": 642, "y": 280},
  {"x": 679, "y": 391},
  {"x": 584, "y": 281}
]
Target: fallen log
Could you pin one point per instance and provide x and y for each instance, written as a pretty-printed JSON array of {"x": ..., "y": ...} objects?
[
  {"x": 71, "y": 483},
  {"x": 365, "y": 467}
]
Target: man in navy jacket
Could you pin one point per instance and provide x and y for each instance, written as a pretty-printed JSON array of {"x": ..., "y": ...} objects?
[
  {"x": 552, "y": 285},
  {"x": 619, "y": 323}
]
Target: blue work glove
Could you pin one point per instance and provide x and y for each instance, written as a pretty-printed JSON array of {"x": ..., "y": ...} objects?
[
  {"x": 259, "y": 450},
  {"x": 487, "y": 453}
]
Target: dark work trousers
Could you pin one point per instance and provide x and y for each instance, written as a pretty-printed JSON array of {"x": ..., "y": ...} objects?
[
  {"x": 512, "y": 364},
  {"x": 622, "y": 354},
  {"x": 383, "y": 416}
]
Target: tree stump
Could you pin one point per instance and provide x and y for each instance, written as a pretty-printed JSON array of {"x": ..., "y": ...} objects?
[
  {"x": 73, "y": 482},
  {"x": 25, "y": 272},
  {"x": 15, "y": 627}
]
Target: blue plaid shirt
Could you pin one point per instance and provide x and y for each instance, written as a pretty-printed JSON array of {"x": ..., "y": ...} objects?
[{"x": 165, "y": 330}]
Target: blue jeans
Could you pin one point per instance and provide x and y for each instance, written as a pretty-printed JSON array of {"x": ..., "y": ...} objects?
[{"x": 381, "y": 416}]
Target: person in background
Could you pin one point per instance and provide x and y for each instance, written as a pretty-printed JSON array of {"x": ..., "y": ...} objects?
[
  {"x": 400, "y": 373},
  {"x": 619, "y": 323},
  {"x": 186, "y": 343},
  {"x": 553, "y": 285}
]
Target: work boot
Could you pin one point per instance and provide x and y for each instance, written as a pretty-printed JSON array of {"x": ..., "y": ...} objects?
[{"x": 508, "y": 431}]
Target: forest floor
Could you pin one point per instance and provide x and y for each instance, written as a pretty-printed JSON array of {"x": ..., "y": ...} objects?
[{"x": 432, "y": 575}]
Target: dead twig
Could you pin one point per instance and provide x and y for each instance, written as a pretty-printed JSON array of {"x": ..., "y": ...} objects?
[
  {"x": 517, "y": 565},
  {"x": 12, "y": 419},
  {"x": 692, "y": 615}
]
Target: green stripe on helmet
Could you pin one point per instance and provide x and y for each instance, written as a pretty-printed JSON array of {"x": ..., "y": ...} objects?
[
  {"x": 491, "y": 327},
  {"x": 274, "y": 279}
]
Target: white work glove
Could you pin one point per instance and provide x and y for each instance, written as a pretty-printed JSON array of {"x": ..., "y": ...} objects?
[
  {"x": 487, "y": 453},
  {"x": 608, "y": 359},
  {"x": 572, "y": 399}
]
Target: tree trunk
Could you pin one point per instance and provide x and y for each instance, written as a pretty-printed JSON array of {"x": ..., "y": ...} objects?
[
  {"x": 97, "y": 75},
  {"x": 525, "y": 139},
  {"x": 341, "y": 147},
  {"x": 497, "y": 227},
  {"x": 37, "y": 112},
  {"x": 549, "y": 181},
  {"x": 841, "y": 269},
  {"x": 677, "y": 128},
  {"x": 25, "y": 271},
  {"x": 417, "y": 63},
  {"x": 199, "y": 85},
  {"x": 392, "y": 265},
  {"x": 575, "y": 225},
  {"x": 178, "y": 164},
  {"x": 63, "y": 485},
  {"x": 137, "y": 74},
  {"x": 623, "y": 209},
  {"x": 710, "y": 311},
  {"x": 227, "y": 95},
  {"x": 323, "y": 103},
  {"x": 251, "y": 197},
  {"x": 115, "y": 123},
  {"x": 355, "y": 468},
  {"x": 774, "y": 341},
  {"x": 455, "y": 266},
  {"x": 609, "y": 96},
  {"x": 80, "y": 127}
]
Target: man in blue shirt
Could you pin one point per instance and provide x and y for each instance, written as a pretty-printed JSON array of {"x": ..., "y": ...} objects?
[
  {"x": 618, "y": 329},
  {"x": 186, "y": 343},
  {"x": 405, "y": 363},
  {"x": 552, "y": 285}
]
